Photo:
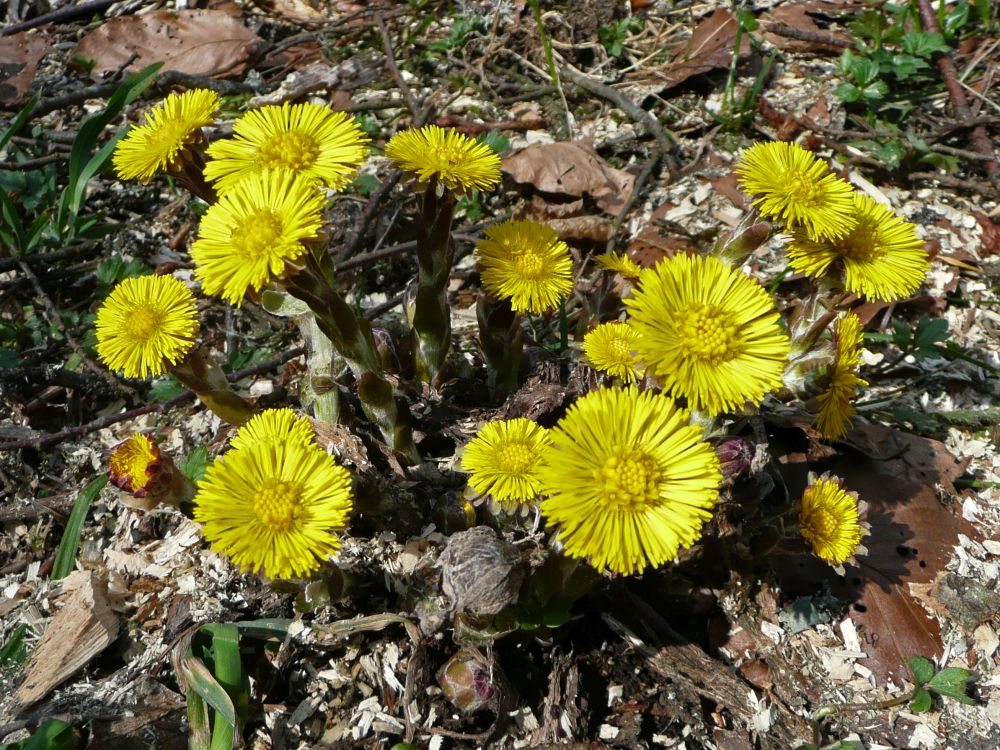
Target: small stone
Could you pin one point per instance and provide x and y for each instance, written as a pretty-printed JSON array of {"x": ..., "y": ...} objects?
[{"x": 481, "y": 573}]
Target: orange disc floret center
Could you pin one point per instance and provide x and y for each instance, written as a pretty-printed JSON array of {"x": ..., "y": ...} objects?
[
  {"x": 257, "y": 234},
  {"x": 277, "y": 504},
  {"x": 708, "y": 333},
  {"x": 631, "y": 480},
  {"x": 528, "y": 265},
  {"x": 132, "y": 460},
  {"x": 291, "y": 149},
  {"x": 515, "y": 458},
  {"x": 144, "y": 322}
]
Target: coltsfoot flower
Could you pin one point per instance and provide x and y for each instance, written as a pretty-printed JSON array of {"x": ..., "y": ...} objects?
[
  {"x": 709, "y": 331},
  {"x": 829, "y": 520},
  {"x": 453, "y": 159},
  {"x": 135, "y": 464},
  {"x": 835, "y": 407},
  {"x": 322, "y": 146},
  {"x": 169, "y": 128},
  {"x": 881, "y": 258},
  {"x": 629, "y": 479},
  {"x": 248, "y": 237},
  {"x": 609, "y": 348},
  {"x": 791, "y": 185},
  {"x": 527, "y": 263},
  {"x": 274, "y": 506},
  {"x": 146, "y": 324},
  {"x": 504, "y": 460}
]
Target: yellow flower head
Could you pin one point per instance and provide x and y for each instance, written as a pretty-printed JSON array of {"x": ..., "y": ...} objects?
[
  {"x": 829, "y": 521},
  {"x": 146, "y": 324},
  {"x": 274, "y": 506},
  {"x": 835, "y": 407},
  {"x": 609, "y": 349},
  {"x": 504, "y": 460},
  {"x": 169, "y": 128},
  {"x": 274, "y": 426},
  {"x": 882, "y": 257},
  {"x": 629, "y": 480},
  {"x": 709, "y": 331},
  {"x": 312, "y": 140},
  {"x": 134, "y": 463},
  {"x": 453, "y": 159},
  {"x": 791, "y": 185},
  {"x": 246, "y": 239},
  {"x": 620, "y": 263},
  {"x": 527, "y": 263}
]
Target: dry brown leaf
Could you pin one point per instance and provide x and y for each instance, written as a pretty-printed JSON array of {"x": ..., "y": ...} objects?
[
  {"x": 83, "y": 628},
  {"x": 710, "y": 46},
  {"x": 571, "y": 168},
  {"x": 582, "y": 229},
  {"x": 196, "y": 42},
  {"x": 990, "y": 238},
  {"x": 797, "y": 17},
  {"x": 19, "y": 58}
]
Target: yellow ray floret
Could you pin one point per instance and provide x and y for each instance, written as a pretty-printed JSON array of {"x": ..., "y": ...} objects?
[
  {"x": 609, "y": 348},
  {"x": 527, "y": 263},
  {"x": 881, "y": 258},
  {"x": 275, "y": 507},
  {"x": 620, "y": 263},
  {"x": 248, "y": 237},
  {"x": 791, "y": 185},
  {"x": 504, "y": 460},
  {"x": 321, "y": 145},
  {"x": 629, "y": 480},
  {"x": 453, "y": 159},
  {"x": 169, "y": 127},
  {"x": 146, "y": 324},
  {"x": 829, "y": 521},
  {"x": 710, "y": 332},
  {"x": 835, "y": 407},
  {"x": 274, "y": 426}
]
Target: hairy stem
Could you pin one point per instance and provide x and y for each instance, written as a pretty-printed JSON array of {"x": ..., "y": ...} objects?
[{"x": 435, "y": 256}]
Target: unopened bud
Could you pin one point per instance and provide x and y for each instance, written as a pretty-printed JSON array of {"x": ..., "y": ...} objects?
[
  {"x": 735, "y": 456},
  {"x": 481, "y": 573},
  {"x": 146, "y": 476},
  {"x": 469, "y": 681}
]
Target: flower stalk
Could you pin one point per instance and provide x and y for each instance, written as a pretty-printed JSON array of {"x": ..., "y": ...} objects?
[
  {"x": 203, "y": 376},
  {"x": 502, "y": 341}
]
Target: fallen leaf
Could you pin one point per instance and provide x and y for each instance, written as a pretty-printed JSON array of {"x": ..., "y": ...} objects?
[
  {"x": 710, "y": 46},
  {"x": 797, "y": 17},
  {"x": 196, "y": 42},
  {"x": 571, "y": 168},
  {"x": 582, "y": 228},
  {"x": 650, "y": 247},
  {"x": 19, "y": 57},
  {"x": 990, "y": 237}
]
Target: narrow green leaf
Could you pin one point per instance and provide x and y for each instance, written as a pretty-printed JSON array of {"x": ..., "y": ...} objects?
[
  {"x": 921, "y": 669},
  {"x": 273, "y": 627},
  {"x": 229, "y": 673},
  {"x": 52, "y": 734},
  {"x": 200, "y": 680},
  {"x": 66, "y": 554},
  {"x": 18, "y": 122},
  {"x": 921, "y": 702},
  {"x": 14, "y": 651}
]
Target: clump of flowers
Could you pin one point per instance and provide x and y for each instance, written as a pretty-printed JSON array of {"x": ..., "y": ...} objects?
[
  {"x": 709, "y": 332},
  {"x": 829, "y": 520},
  {"x": 275, "y": 503},
  {"x": 835, "y": 407},
  {"x": 609, "y": 347},
  {"x": 504, "y": 460},
  {"x": 629, "y": 480}
]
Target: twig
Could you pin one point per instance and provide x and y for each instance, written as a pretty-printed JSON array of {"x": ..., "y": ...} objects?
[
  {"x": 388, "y": 252},
  {"x": 360, "y": 232},
  {"x": 975, "y": 186},
  {"x": 66, "y": 13},
  {"x": 160, "y": 407},
  {"x": 819, "y": 37},
  {"x": 41, "y": 161},
  {"x": 390, "y": 63},
  {"x": 640, "y": 182},
  {"x": 977, "y": 137}
]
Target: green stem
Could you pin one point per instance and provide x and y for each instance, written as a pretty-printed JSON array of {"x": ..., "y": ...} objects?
[
  {"x": 502, "y": 342},
  {"x": 435, "y": 257}
]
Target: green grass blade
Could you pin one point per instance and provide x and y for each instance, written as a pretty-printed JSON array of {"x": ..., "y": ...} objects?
[
  {"x": 200, "y": 681},
  {"x": 229, "y": 673},
  {"x": 66, "y": 554},
  {"x": 14, "y": 651},
  {"x": 274, "y": 627},
  {"x": 20, "y": 120}
]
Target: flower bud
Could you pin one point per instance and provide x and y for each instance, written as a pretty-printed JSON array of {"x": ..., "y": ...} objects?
[
  {"x": 469, "y": 681},
  {"x": 481, "y": 572},
  {"x": 735, "y": 456},
  {"x": 146, "y": 476}
]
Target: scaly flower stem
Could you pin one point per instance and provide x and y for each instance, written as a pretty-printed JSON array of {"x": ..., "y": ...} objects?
[
  {"x": 502, "y": 340},
  {"x": 205, "y": 378},
  {"x": 352, "y": 338},
  {"x": 435, "y": 256}
]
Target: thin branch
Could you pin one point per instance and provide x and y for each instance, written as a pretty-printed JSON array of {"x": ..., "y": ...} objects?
[{"x": 390, "y": 63}]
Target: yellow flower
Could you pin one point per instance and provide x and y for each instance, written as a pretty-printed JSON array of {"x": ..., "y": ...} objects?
[
  {"x": 793, "y": 186},
  {"x": 709, "y": 331},
  {"x": 453, "y": 159},
  {"x": 134, "y": 463},
  {"x": 275, "y": 506},
  {"x": 168, "y": 129},
  {"x": 829, "y": 521},
  {"x": 609, "y": 349},
  {"x": 835, "y": 407},
  {"x": 246, "y": 239},
  {"x": 629, "y": 480},
  {"x": 274, "y": 426},
  {"x": 882, "y": 257},
  {"x": 312, "y": 140},
  {"x": 620, "y": 263},
  {"x": 146, "y": 324},
  {"x": 504, "y": 460},
  {"x": 527, "y": 263}
]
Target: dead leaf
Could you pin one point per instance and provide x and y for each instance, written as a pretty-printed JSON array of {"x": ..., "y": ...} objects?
[
  {"x": 796, "y": 16},
  {"x": 710, "y": 47},
  {"x": 651, "y": 246},
  {"x": 83, "y": 628},
  {"x": 571, "y": 168},
  {"x": 582, "y": 229},
  {"x": 19, "y": 58},
  {"x": 196, "y": 42},
  {"x": 990, "y": 238}
]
